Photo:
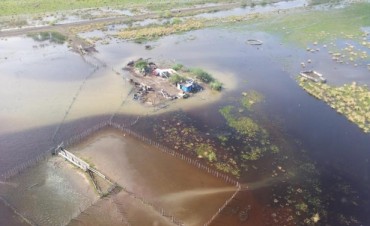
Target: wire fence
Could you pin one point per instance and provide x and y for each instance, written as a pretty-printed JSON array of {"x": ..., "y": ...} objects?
[
  {"x": 125, "y": 128},
  {"x": 21, "y": 167}
]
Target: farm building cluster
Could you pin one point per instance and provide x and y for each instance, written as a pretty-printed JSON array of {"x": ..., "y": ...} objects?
[{"x": 154, "y": 85}]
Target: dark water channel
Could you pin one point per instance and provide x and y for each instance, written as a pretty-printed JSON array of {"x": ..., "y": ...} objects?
[{"x": 339, "y": 149}]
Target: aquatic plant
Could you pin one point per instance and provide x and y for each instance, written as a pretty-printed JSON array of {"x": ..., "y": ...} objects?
[
  {"x": 228, "y": 167},
  {"x": 250, "y": 98},
  {"x": 352, "y": 101},
  {"x": 254, "y": 154},
  {"x": 51, "y": 36},
  {"x": 244, "y": 125},
  {"x": 206, "y": 151}
]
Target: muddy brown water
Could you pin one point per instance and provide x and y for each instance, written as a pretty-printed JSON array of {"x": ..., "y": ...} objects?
[
  {"x": 163, "y": 180},
  {"x": 33, "y": 109}
]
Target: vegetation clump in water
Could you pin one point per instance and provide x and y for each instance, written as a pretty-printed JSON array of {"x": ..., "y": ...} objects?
[
  {"x": 352, "y": 101},
  {"x": 250, "y": 98},
  {"x": 51, "y": 36},
  {"x": 156, "y": 31}
]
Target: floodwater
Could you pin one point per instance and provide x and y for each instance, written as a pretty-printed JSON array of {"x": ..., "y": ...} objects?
[
  {"x": 47, "y": 91},
  {"x": 51, "y": 193},
  {"x": 159, "y": 178}
]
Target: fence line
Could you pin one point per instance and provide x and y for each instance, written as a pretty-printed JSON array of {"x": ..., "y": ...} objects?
[
  {"x": 159, "y": 210},
  {"x": 176, "y": 154},
  {"x": 96, "y": 68},
  {"x": 126, "y": 129},
  {"x": 16, "y": 212},
  {"x": 19, "y": 168},
  {"x": 223, "y": 206}
]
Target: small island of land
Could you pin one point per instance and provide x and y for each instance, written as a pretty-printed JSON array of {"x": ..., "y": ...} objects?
[{"x": 154, "y": 85}]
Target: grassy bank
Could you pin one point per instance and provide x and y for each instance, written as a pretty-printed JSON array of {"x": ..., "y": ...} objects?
[{"x": 352, "y": 101}]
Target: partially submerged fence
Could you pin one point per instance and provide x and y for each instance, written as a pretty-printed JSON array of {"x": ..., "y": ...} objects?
[
  {"x": 189, "y": 160},
  {"x": 21, "y": 167},
  {"x": 126, "y": 129}
]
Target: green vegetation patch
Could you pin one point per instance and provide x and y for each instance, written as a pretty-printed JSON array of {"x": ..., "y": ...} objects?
[
  {"x": 176, "y": 78},
  {"x": 306, "y": 27},
  {"x": 202, "y": 75},
  {"x": 352, "y": 101},
  {"x": 256, "y": 139},
  {"x": 244, "y": 125},
  {"x": 199, "y": 74},
  {"x": 141, "y": 64},
  {"x": 250, "y": 98},
  {"x": 228, "y": 167},
  {"x": 206, "y": 151},
  {"x": 156, "y": 31},
  {"x": 51, "y": 36}
]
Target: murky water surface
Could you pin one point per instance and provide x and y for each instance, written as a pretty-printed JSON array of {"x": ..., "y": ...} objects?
[
  {"x": 160, "y": 178},
  {"x": 48, "y": 89}
]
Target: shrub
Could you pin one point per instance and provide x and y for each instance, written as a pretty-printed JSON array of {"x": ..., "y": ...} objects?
[
  {"x": 176, "y": 21},
  {"x": 141, "y": 64},
  {"x": 202, "y": 75},
  {"x": 216, "y": 85},
  {"x": 177, "y": 67},
  {"x": 176, "y": 78}
]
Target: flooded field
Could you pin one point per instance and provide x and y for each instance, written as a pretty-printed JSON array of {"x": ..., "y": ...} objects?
[
  {"x": 159, "y": 178},
  {"x": 51, "y": 193},
  {"x": 310, "y": 167}
]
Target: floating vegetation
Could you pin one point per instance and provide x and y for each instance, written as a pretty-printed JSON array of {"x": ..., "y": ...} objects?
[
  {"x": 156, "y": 31},
  {"x": 228, "y": 167},
  {"x": 244, "y": 125},
  {"x": 51, "y": 36},
  {"x": 352, "y": 101},
  {"x": 185, "y": 137},
  {"x": 256, "y": 139},
  {"x": 250, "y": 98},
  {"x": 349, "y": 54},
  {"x": 206, "y": 151}
]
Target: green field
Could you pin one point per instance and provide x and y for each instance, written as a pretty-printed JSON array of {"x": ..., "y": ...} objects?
[{"x": 16, "y": 7}]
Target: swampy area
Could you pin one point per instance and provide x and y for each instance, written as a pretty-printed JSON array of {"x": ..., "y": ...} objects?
[{"x": 260, "y": 146}]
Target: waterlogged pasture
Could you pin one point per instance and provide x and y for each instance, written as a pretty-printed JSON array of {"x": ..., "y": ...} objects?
[
  {"x": 302, "y": 162},
  {"x": 318, "y": 25}
]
